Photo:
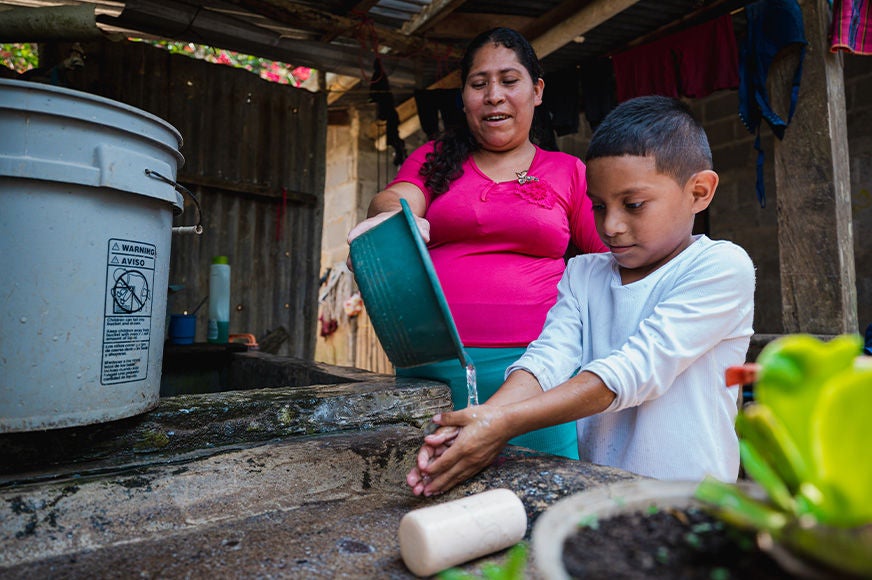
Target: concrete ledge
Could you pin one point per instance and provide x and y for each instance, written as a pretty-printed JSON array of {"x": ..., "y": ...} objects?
[{"x": 199, "y": 423}]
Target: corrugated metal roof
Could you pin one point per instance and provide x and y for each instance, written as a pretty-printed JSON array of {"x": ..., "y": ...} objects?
[{"x": 344, "y": 36}]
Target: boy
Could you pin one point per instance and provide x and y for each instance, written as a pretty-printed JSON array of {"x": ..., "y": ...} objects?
[{"x": 650, "y": 326}]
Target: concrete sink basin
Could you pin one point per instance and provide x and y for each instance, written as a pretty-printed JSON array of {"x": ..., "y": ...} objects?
[{"x": 285, "y": 482}]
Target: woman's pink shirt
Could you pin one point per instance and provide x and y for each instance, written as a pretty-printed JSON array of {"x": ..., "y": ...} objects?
[{"x": 498, "y": 248}]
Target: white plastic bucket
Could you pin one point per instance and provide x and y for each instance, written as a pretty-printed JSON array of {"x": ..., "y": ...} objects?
[{"x": 85, "y": 236}]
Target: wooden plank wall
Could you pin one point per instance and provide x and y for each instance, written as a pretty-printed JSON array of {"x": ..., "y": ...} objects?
[
  {"x": 255, "y": 156},
  {"x": 369, "y": 353}
]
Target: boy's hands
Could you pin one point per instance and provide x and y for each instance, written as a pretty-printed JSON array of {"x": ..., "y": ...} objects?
[
  {"x": 435, "y": 444},
  {"x": 469, "y": 440},
  {"x": 466, "y": 442}
]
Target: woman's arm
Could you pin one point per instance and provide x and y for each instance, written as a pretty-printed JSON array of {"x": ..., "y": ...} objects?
[{"x": 387, "y": 202}]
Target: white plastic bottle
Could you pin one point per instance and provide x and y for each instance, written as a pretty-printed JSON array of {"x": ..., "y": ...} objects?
[{"x": 219, "y": 300}]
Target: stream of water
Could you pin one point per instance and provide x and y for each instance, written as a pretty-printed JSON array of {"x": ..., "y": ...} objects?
[{"x": 471, "y": 384}]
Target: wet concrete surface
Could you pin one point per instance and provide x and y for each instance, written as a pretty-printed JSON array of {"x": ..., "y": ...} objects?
[
  {"x": 199, "y": 423},
  {"x": 295, "y": 505}
]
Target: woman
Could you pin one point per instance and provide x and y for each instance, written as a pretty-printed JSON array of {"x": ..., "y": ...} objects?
[{"x": 498, "y": 214}]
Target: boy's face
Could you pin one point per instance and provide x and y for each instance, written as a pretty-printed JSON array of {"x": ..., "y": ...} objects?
[{"x": 644, "y": 217}]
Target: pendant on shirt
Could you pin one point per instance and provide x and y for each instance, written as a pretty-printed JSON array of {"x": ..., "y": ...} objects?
[{"x": 524, "y": 178}]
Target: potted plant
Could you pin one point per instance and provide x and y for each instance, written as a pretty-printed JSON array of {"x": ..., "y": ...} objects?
[
  {"x": 804, "y": 444},
  {"x": 806, "y": 441}
]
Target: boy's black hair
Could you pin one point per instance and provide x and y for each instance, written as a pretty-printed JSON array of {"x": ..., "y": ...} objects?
[{"x": 660, "y": 127}]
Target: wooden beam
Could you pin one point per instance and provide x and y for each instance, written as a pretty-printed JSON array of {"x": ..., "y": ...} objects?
[
  {"x": 589, "y": 16},
  {"x": 465, "y": 25},
  {"x": 812, "y": 177},
  {"x": 361, "y": 7},
  {"x": 293, "y": 14},
  {"x": 563, "y": 31},
  {"x": 338, "y": 85},
  {"x": 50, "y": 23},
  {"x": 545, "y": 22},
  {"x": 429, "y": 15}
]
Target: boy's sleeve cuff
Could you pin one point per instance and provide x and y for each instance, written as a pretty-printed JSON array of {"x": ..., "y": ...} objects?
[
  {"x": 546, "y": 381},
  {"x": 604, "y": 372}
]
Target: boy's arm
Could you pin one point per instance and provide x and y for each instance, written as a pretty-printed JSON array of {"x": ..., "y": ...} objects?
[{"x": 486, "y": 429}]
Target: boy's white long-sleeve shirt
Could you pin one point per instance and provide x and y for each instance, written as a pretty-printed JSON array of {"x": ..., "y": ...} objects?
[{"x": 662, "y": 345}]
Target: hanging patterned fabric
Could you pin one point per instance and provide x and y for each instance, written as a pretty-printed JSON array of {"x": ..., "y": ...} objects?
[
  {"x": 851, "y": 29},
  {"x": 773, "y": 25}
]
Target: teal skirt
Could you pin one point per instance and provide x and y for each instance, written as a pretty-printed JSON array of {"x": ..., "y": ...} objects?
[{"x": 490, "y": 367}]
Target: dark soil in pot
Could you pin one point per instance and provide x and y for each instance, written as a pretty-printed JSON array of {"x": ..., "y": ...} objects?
[{"x": 669, "y": 543}]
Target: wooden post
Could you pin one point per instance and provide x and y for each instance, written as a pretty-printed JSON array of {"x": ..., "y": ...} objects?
[{"x": 812, "y": 175}]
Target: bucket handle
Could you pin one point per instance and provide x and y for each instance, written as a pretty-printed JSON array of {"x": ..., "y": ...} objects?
[{"x": 195, "y": 229}]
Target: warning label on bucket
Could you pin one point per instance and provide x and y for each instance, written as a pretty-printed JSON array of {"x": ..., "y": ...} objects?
[{"x": 128, "y": 307}]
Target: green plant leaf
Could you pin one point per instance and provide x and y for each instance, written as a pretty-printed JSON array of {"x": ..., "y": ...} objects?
[
  {"x": 761, "y": 429},
  {"x": 807, "y": 442},
  {"x": 761, "y": 472},
  {"x": 846, "y": 549},
  {"x": 512, "y": 569},
  {"x": 735, "y": 507},
  {"x": 793, "y": 371},
  {"x": 841, "y": 429},
  {"x": 454, "y": 574}
]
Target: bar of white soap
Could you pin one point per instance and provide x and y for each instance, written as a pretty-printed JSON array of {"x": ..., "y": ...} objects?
[{"x": 444, "y": 535}]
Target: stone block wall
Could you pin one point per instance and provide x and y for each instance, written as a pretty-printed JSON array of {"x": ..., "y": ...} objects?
[
  {"x": 341, "y": 199},
  {"x": 736, "y": 214},
  {"x": 356, "y": 171}
]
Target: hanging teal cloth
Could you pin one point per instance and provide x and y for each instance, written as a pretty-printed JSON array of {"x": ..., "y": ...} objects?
[{"x": 772, "y": 26}]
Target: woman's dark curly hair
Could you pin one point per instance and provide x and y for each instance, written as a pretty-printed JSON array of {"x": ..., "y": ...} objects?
[{"x": 453, "y": 146}]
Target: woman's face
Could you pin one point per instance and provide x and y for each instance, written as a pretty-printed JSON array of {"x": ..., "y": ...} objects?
[{"x": 499, "y": 98}]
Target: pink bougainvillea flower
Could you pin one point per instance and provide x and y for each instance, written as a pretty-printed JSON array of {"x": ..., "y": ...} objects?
[{"x": 302, "y": 73}]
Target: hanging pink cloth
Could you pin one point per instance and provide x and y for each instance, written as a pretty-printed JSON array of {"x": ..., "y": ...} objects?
[
  {"x": 851, "y": 29},
  {"x": 692, "y": 63}
]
